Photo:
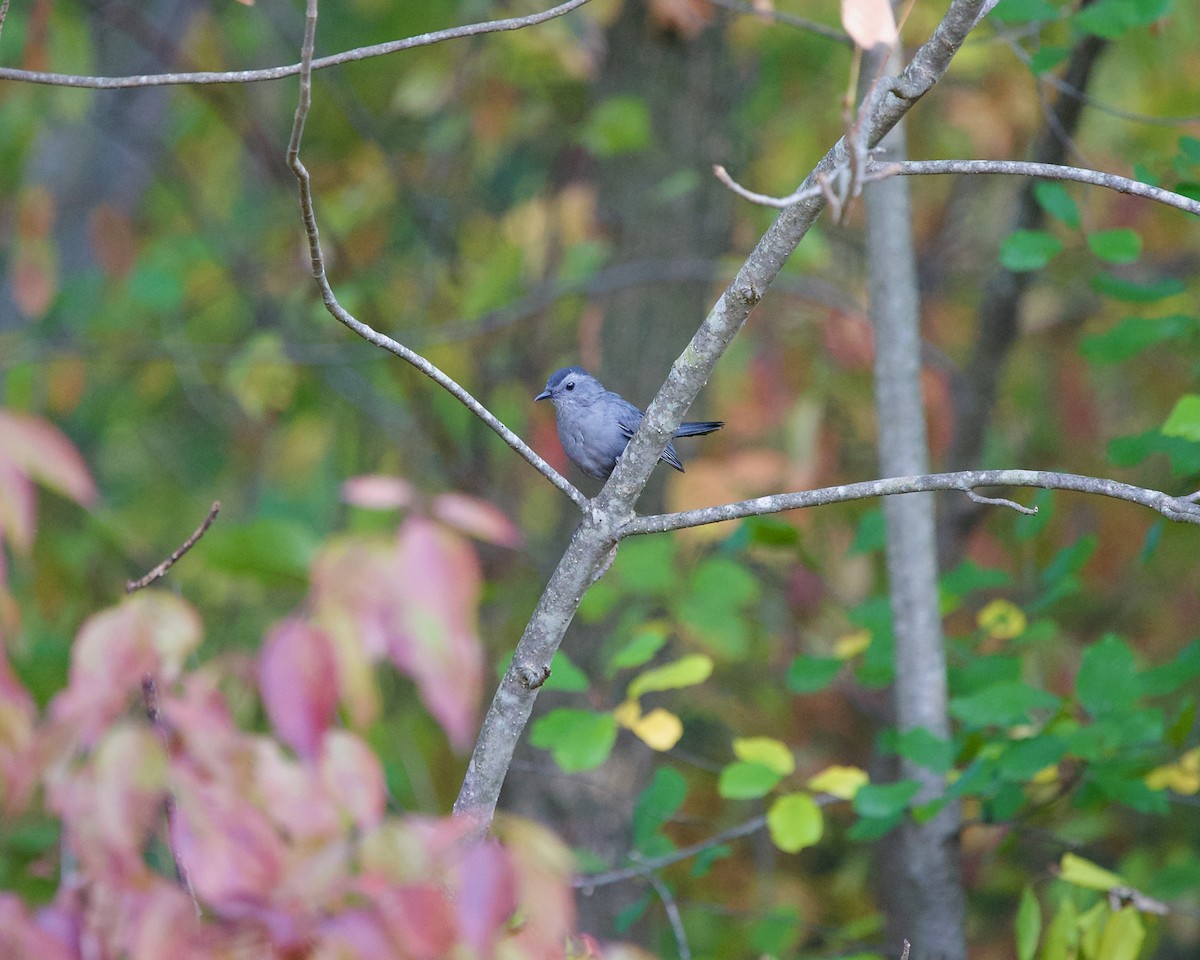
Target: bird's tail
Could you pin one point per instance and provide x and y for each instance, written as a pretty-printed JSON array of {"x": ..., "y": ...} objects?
[{"x": 696, "y": 428}]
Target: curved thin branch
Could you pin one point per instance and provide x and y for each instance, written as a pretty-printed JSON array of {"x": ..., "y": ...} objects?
[
  {"x": 291, "y": 70},
  {"x": 648, "y": 865},
  {"x": 1181, "y": 509},
  {"x": 368, "y": 333},
  {"x": 1047, "y": 171}
]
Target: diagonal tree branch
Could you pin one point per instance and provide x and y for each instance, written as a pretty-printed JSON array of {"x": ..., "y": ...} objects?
[
  {"x": 594, "y": 539},
  {"x": 291, "y": 70}
]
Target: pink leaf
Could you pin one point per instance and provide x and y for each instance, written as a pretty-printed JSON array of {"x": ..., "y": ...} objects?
[
  {"x": 290, "y": 794},
  {"x": 353, "y": 778},
  {"x": 378, "y": 492},
  {"x": 476, "y": 518},
  {"x": 436, "y": 641},
  {"x": 151, "y": 632},
  {"x": 869, "y": 22},
  {"x": 420, "y": 917},
  {"x": 231, "y": 854},
  {"x": 297, "y": 675},
  {"x": 486, "y": 897},
  {"x": 355, "y": 933},
  {"x": 23, "y": 939},
  {"x": 43, "y": 451},
  {"x": 18, "y": 505}
]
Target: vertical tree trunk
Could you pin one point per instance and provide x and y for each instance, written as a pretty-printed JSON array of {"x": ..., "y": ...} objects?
[{"x": 921, "y": 877}]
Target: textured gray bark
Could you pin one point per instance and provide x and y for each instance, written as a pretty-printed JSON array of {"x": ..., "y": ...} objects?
[{"x": 924, "y": 899}]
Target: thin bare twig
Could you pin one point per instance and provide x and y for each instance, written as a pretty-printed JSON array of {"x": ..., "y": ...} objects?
[
  {"x": 649, "y": 865},
  {"x": 880, "y": 170},
  {"x": 672, "y": 910},
  {"x": 1001, "y": 502},
  {"x": 150, "y": 699},
  {"x": 1173, "y": 508},
  {"x": 1048, "y": 171},
  {"x": 789, "y": 19},
  {"x": 160, "y": 571},
  {"x": 3, "y": 13},
  {"x": 368, "y": 333},
  {"x": 291, "y": 70}
]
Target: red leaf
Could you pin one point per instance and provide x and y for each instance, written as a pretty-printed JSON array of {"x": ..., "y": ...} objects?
[
  {"x": 42, "y": 451},
  {"x": 476, "y": 518},
  {"x": 436, "y": 641},
  {"x": 420, "y": 918},
  {"x": 297, "y": 675}
]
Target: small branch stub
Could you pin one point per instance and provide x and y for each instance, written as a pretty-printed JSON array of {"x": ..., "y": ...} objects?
[{"x": 160, "y": 571}]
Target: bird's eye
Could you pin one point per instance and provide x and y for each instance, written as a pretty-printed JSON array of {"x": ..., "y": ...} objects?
[{"x": 570, "y": 384}]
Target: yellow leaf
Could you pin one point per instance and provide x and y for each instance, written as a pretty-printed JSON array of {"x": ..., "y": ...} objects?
[
  {"x": 852, "y": 644},
  {"x": 1084, "y": 873},
  {"x": 659, "y": 729},
  {"x": 1002, "y": 620},
  {"x": 842, "y": 782},
  {"x": 684, "y": 672},
  {"x": 1122, "y": 937},
  {"x": 1182, "y": 777},
  {"x": 628, "y": 714},
  {"x": 1046, "y": 775},
  {"x": 771, "y": 753}
]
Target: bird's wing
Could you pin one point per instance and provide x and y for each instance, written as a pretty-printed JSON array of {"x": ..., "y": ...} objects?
[{"x": 629, "y": 417}]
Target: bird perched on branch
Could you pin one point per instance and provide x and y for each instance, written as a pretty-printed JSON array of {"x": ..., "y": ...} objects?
[{"x": 595, "y": 425}]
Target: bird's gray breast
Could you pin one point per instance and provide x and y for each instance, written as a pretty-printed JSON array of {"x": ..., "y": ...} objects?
[{"x": 591, "y": 437}]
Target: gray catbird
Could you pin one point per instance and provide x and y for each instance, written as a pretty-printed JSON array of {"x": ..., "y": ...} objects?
[{"x": 594, "y": 424}]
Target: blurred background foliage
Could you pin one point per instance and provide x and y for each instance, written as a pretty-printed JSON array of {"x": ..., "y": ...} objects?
[{"x": 513, "y": 203}]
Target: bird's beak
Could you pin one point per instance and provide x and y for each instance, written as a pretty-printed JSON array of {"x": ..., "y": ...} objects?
[{"x": 544, "y": 395}]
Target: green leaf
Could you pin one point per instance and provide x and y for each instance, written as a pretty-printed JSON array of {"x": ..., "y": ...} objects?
[
  {"x": 617, "y": 126},
  {"x": 1132, "y": 291},
  {"x": 967, "y": 577},
  {"x": 1053, "y": 197},
  {"x": 1047, "y": 58},
  {"x": 1115, "y": 246},
  {"x": 920, "y": 746},
  {"x": 1111, "y": 19},
  {"x": 1170, "y": 677},
  {"x": 1028, "y": 924},
  {"x": 744, "y": 781},
  {"x": 1028, "y": 526},
  {"x": 647, "y": 640},
  {"x": 1069, "y": 560},
  {"x": 810, "y": 674},
  {"x": 1023, "y": 758},
  {"x": 657, "y": 804},
  {"x": 684, "y": 672},
  {"x": 1002, "y": 705},
  {"x": 1026, "y": 250},
  {"x": 1062, "y": 934},
  {"x": 565, "y": 676},
  {"x": 1133, "y": 335},
  {"x": 1107, "y": 681},
  {"x": 269, "y": 549},
  {"x": 1023, "y": 11},
  {"x": 795, "y": 822},
  {"x": 1183, "y": 455},
  {"x": 647, "y": 566},
  {"x": 1184, "y": 419},
  {"x": 870, "y": 535},
  {"x": 627, "y": 917},
  {"x": 1122, "y": 937},
  {"x": 881, "y": 801},
  {"x": 712, "y": 607},
  {"x": 577, "y": 739},
  {"x": 867, "y": 829},
  {"x": 1189, "y": 147}
]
